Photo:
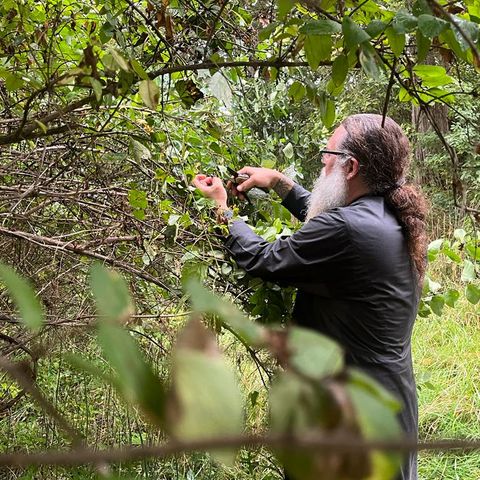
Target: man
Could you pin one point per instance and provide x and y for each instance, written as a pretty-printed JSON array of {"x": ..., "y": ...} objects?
[{"x": 359, "y": 259}]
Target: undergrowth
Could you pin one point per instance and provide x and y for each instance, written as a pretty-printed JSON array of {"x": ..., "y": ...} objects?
[{"x": 447, "y": 365}]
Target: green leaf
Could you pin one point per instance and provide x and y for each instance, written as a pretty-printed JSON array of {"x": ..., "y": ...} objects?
[
  {"x": 332, "y": 89},
  {"x": 472, "y": 292},
  {"x": 139, "y": 202},
  {"x": 119, "y": 59},
  {"x": 206, "y": 400},
  {"x": 317, "y": 48},
  {"x": 320, "y": 27},
  {"x": 423, "y": 46},
  {"x": 13, "y": 82},
  {"x": 285, "y": 397},
  {"x": 377, "y": 422},
  {"x": 150, "y": 93},
  {"x": 266, "y": 32},
  {"x": 451, "y": 254},
  {"x": 396, "y": 41},
  {"x": 97, "y": 88},
  {"x": 431, "y": 26},
  {"x": 361, "y": 379},
  {"x": 135, "y": 379},
  {"x": 468, "y": 273},
  {"x": 474, "y": 251},
  {"x": 139, "y": 151},
  {"x": 451, "y": 40},
  {"x": 288, "y": 152},
  {"x": 375, "y": 28},
  {"x": 432, "y": 75},
  {"x": 327, "y": 110},
  {"x": 138, "y": 69},
  {"x": 353, "y": 33},
  {"x": 221, "y": 89},
  {"x": 297, "y": 91},
  {"x": 423, "y": 310},
  {"x": 369, "y": 61},
  {"x": 297, "y": 406},
  {"x": 460, "y": 234},
  {"x": 436, "y": 304},
  {"x": 430, "y": 285},
  {"x": 421, "y": 6},
  {"x": 404, "y": 22},
  {"x": 404, "y": 96},
  {"x": 340, "y": 69},
  {"x": 451, "y": 296},
  {"x": 194, "y": 269},
  {"x": 284, "y": 7},
  {"x": 434, "y": 248},
  {"x": 435, "y": 245},
  {"x": 42, "y": 126},
  {"x": 313, "y": 354},
  {"x": 470, "y": 29},
  {"x": 22, "y": 293},
  {"x": 111, "y": 294},
  {"x": 204, "y": 301}
]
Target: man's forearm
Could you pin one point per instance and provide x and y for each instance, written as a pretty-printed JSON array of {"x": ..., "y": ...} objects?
[{"x": 283, "y": 186}]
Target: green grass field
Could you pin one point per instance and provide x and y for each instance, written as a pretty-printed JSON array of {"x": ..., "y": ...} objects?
[
  {"x": 446, "y": 358},
  {"x": 447, "y": 364}
]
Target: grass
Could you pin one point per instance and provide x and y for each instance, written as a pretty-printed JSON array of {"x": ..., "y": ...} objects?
[{"x": 447, "y": 364}]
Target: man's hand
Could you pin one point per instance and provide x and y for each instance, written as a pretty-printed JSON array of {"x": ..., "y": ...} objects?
[
  {"x": 265, "y": 178},
  {"x": 258, "y": 177},
  {"x": 212, "y": 187}
]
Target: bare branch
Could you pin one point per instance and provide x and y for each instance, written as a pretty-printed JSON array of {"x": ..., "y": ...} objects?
[
  {"x": 73, "y": 247},
  {"x": 326, "y": 443}
]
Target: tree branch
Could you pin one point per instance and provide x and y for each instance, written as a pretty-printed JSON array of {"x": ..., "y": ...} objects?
[
  {"x": 75, "y": 248},
  {"x": 32, "y": 129},
  {"x": 326, "y": 443},
  {"x": 277, "y": 63}
]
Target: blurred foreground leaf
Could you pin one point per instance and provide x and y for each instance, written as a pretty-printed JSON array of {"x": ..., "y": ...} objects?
[
  {"x": 305, "y": 408},
  {"x": 29, "y": 307},
  {"x": 204, "y": 301},
  {"x": 377, "y": 421},
  {"x": 313, "y": 354},
  {"x": 205, "y": 401},
  {"x": 111, "y": 294},
  {"x": 135, "y": 379}
]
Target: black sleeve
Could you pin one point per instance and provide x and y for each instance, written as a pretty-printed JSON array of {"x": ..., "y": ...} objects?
[
  {"x": 297, "y": 201},
  {"x": 312, "y": 254}
]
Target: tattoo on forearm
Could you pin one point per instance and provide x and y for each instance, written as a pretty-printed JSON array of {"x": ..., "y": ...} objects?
[{"x": 283, "y": 186}]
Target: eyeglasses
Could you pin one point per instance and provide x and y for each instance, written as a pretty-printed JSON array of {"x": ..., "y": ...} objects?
[{"x": 334, "y": 152}]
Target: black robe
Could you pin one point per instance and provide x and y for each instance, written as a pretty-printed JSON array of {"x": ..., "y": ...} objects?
[{"x": 355, "y": 284}]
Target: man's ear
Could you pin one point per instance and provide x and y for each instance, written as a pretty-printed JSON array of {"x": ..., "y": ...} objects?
[{"x": 352, "y": 167}]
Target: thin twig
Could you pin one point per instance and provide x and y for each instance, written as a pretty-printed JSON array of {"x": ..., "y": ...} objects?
[
  {"x": 326, "y": 443},
  {"x": 72, "y": 247},
  {"x": 389, "y": 91}
]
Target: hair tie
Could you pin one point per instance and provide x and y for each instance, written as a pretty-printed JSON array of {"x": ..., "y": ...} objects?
[{"x": 398, "y": 184}]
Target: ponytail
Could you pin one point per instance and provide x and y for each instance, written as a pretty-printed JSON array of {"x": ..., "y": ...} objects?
[{"x": 383, "y": 152}]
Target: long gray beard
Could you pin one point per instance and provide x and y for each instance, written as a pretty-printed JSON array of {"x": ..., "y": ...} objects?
[{"x": 328, "y": 192}]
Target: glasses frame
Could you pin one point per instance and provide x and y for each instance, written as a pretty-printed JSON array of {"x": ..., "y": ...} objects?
[{"x": 334, "y": 152}]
